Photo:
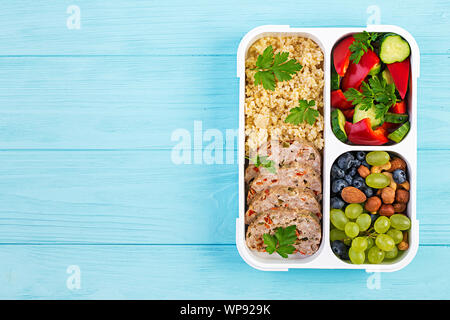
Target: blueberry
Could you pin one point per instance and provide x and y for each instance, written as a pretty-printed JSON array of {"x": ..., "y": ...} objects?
[
  {"x": 348, "y": 179},
  {"x": 374, "y": 217},
  {"x": 340, "y": 249},
  {"x": 338, "y": 185},
  {"x": 368, "y": 191},
  {"x": 399, "y": 176},
  {"x": 336, "y": 172},
  {"x": 361, "y": 155},
  {"x": 359, "y": 183},
  {"x": 345, "y": 161},
  {"x": 352, "y": 171},
  {"x": 365, "y": 164},
  {"x": 356, "y": 163},
  {"x": 337, "y": 203}
]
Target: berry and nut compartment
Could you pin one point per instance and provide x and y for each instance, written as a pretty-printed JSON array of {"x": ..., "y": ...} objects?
[{"x": 307, "y": 198}]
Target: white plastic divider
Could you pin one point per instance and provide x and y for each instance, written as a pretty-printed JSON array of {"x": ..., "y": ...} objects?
[{"x": 324, "y": 258}]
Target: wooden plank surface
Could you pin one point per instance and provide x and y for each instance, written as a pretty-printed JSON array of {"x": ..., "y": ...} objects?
[
  {"x": 199, "y": 272},
  {"x": 86, "y": 178},
  {"x": 142, "y": 197},
  {"x": 137, "y": 102}
]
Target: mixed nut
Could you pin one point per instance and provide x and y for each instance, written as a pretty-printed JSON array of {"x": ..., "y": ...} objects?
[{"x": 369, "y": 197}]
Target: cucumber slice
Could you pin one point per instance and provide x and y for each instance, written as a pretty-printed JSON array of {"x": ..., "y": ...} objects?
[
  {"x": 387, "y": 76},
  {"x": 395, "y": 117},
  {"x": 338, "y": 124},
  {"x": 375, "y": 69},
  {"x": 400, "y": 133},
  {"x": 370, "y": 113},
  {"x": 335, "y": 80},
  {"x": 394, "y": 49}
]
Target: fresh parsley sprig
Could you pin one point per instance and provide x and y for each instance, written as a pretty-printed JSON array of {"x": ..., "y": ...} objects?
[
  {"x": 363, "y": 42},
  {"x": 282, "y": 241},
  {"x": 262, "y": 161},
  {"x": 374, "y": 93},
  {"x": 272, "y": 68},
  {"x": 304, "y": 112}
]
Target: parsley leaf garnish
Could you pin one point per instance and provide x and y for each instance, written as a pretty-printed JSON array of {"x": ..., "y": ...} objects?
[
  {"x": 304, "y": 112},
  {"x": 282, "y": 241},
  {"x": 374, "y": 93},
  {"x": 274, "y": 68},
  {"x": 262, "y": 161},
  {"x": 362, "y": 43}
]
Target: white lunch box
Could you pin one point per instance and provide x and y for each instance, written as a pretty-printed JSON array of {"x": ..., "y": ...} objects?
[{"x": 324, "y": 258}]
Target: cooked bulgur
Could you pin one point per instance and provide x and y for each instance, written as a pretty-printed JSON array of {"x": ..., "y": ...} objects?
[{"x": 266, "y": 110}]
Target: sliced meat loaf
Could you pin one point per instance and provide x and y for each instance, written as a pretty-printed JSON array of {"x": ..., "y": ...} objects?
[
  {"x": 291, "y": 175},
  {"x": 282, "y": 197},
  {"x": 287, "y": 152},
  {"x": 309, "y": 231}
]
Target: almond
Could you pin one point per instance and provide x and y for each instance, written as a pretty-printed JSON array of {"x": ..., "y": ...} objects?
[{"x": 353, "y": 195}]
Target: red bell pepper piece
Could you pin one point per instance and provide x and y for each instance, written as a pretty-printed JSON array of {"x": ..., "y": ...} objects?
[
  {"x": 400, "y": 73},
  {"x": 348, "y": 114},
  {"x": 388, "y": 126},
  {"x": 348, "y": 127},
  {"x": 356, "y": 73},
  {"x": 339, "y": 101},
  {"x": 361, "y": 133},
  {"x": 341, "y": 55},
  {"x": 399, "y": 107}
]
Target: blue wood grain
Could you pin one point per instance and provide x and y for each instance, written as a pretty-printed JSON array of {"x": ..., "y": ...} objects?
[
  {"x": 200, "y": 27},
  {"x": 137, "y": 102},
  {"x": 85, "y": 123},
  {"x": 142, "y": 197},
  {"x": 199, "y": 272}
]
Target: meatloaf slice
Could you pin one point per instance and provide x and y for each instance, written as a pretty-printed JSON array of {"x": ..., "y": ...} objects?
[
  {"x": 309, "y": 232},
  {"x": 286, "y": 152},
  {"x": 282, "y": 197},
  {"x": 291, "y": 175}
]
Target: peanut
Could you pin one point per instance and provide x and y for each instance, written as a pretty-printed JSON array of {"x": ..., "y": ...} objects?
[
  {"x": 388, "y": 195},
  {"x": 402, "y": 196},
  {"x": 363, "y": 171},
  {"x": 373, "y": 204},
  {"x": 404, "y": 244},
  {"x": 386, "y": 210},
  {"x": 397, "y": 163},
  {"x": 399, "y": 207}
]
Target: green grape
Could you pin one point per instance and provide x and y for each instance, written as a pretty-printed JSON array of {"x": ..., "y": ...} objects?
[
  {"x": 377, "y": 158},
  {"x": 370, "y": 243},
  {"x": 337, "y": 234},
  {"x": 377, "y": 180},
  {"x": 359, "y": 244},
  {"x": 364, "y": 221},
  {"x": 400, "y": 222},
  {"x": 382, "y": 224},
  {"x": 395, "y": 234},
  {"x": 353, "y": 210},
  {"x": 357, "y": 257},
  {"x": 391, "y": 254},
  {"x": 384, "y": 242},
  {"x": 375, "y": 255},
  {"x": 347, "y": 241},
  {"x": 338, "y": 218},
  {"x": 351, "y": 229}
]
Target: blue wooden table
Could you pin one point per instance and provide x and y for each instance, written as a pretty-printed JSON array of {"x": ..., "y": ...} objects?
[{"x": 91, "y": 205}]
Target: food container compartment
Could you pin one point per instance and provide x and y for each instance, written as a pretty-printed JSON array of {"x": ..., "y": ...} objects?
[
  {"x": 408, "y": 254},
  {"x": 411, "y": 96},
  {"x": 324, "y": 258}
]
